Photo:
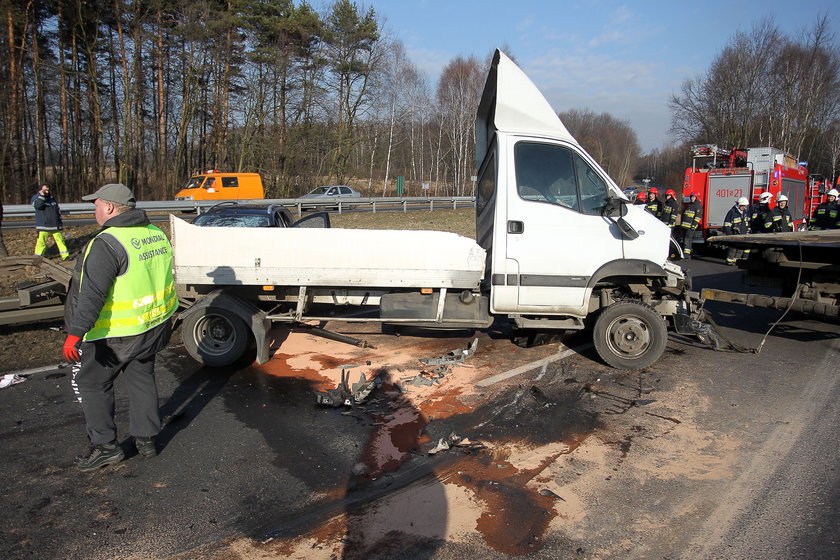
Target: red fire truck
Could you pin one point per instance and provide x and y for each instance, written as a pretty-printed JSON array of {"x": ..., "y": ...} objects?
[{"x": 720, "y": 177}]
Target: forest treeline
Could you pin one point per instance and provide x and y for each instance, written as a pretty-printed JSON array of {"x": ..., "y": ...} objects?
[{"x": 147, "y": 92}]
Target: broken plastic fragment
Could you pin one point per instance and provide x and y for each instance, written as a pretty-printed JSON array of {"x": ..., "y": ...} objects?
[
  {"x": 454, "y": 357},
  {"x": 442, "y": 445},
  {"x": 11, "y": 379}
]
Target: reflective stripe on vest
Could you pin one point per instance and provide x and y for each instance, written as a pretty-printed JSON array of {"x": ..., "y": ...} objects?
[{"x": 144, "y": 295}]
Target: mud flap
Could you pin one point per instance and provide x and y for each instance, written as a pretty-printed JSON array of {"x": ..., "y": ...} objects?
[{"x": 706, "y": 330}]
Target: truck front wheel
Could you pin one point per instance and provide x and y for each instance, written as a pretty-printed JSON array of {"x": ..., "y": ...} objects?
[
  {"x": 630, "y": 335},
  {"x": 214, "y": 336}
]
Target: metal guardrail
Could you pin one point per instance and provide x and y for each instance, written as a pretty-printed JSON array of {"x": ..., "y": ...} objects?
[{"x": 299, "y": 204}]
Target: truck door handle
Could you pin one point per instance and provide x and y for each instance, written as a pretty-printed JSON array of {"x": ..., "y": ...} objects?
[{"x": 515, "y": 226}]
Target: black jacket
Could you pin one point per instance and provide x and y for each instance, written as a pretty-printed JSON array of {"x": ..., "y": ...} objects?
[
  {"x": 106, "y": 260},
  {"x": 761, "y": 219},
  {"x": 826, "y": 216},
  {"x": 736, "y": 222},
  {"x": 654, "y": 207},
  {"x": 670, "y": 211},
  {"x": 782, "y": 219},
  {"x": 692, "y": 215}
]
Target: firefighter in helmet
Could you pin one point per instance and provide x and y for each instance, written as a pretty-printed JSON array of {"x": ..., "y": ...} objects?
[
  {"x": 641, "y": 199},
  {"x": 827, "y": 214},
  {"x": 761, "y": 216},
  {"x": 782, "y": 220},
  {"x": 670, "y": 208},
  {"x": 654, "y": 205},
  {"x": 691, "y": 218},
  {"x": 736, "y": 223}
]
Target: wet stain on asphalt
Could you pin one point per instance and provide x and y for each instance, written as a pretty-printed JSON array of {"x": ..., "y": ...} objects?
[
  {"x": 279, "y": 367},
  {"x": 399, "y": 428}
]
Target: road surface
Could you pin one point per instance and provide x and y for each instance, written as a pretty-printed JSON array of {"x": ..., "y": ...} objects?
[{"x": 703, "y": 455}]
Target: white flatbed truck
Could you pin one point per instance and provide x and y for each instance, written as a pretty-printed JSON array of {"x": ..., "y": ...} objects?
[{"x": 557, "y": 242}]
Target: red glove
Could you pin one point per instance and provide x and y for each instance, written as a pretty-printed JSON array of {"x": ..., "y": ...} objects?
[{"x": 71, "y": 348}]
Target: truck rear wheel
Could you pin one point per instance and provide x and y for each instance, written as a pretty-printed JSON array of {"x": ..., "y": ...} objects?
[
  {"x": 214, "y": 336},
  {"x": 629, "y": 335}
]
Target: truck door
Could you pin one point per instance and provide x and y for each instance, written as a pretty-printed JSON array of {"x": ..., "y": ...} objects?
[{"x": 555, "y": 232}]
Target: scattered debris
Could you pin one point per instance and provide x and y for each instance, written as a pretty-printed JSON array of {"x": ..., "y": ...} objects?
[
  {"x": 550, "y": 494},
  {"x": 454, "y": 440},
  {"x": 11, "y": 379},
  {"x": 347, "y": 395},
  {"x": 455, "y": 357},
  {"x": 360, "y": 469}
]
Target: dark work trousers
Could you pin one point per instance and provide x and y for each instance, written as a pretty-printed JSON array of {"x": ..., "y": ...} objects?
[
  {"x": 688, "y": 240},
  {"x": 95, "y": 382}
]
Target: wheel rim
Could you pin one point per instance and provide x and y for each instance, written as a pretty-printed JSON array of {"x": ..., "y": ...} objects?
[
  {"x": 214, "y": 335},
  {"x": 628, "y": 336}
]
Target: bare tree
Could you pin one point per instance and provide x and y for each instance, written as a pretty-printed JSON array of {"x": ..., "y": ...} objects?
[
  {"x": 612, "y": 142},
  {"x": 458, "y": 95},
  {"x": 764, "y": 88}
]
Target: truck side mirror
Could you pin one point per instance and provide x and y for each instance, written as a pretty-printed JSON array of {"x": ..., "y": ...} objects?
[{"x": 626, "y": 229}]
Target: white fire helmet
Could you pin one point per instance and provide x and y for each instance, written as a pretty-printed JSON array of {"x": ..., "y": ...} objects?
[
  {"x": 832, "y": 192},
  {"x": 765, "y": 197},
  {"x": 743, "y": 201},
  {"x": 782, "y": 198}
]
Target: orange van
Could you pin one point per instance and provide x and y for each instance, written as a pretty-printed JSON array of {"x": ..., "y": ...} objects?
[{"x": 214, "y": 185}]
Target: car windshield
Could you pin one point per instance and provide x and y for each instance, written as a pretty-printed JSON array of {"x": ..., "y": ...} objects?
[
  {"x": 221, "y": 220},
  {"x": 195, "y": 182},
  {"x": 320, "y": 190}
]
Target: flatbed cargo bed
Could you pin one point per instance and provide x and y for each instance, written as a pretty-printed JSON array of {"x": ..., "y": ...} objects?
[
  {"x": 826, "y": 238},
  {"x": 225, "y": 256}
]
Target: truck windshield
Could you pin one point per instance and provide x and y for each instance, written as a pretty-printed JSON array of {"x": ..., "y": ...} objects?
[
  {"x": 241, "y": 220},
  {"x": 195, "y": 182}
]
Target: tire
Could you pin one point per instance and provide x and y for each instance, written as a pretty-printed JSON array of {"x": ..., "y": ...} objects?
[
  {"x": 214, "y": 336},
  {"x": 630, "y": 335}
]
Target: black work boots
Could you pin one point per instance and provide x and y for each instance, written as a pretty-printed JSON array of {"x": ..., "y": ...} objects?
[
  {"x": 145, "y": 446},
  {"x": 100, "y": 456}
]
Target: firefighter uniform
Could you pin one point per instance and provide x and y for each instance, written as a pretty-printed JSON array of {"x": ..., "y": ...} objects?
[
  {"x": 691, "y": 218},
  {"x": 782, "y": 220},
  {"x": 670, "y": 209},
  {"x": 654, "y": 207},
  {"x": 826, "y": 216},
  {"x": 761, "y": 218},
  {"x": 735, "y": 223}
]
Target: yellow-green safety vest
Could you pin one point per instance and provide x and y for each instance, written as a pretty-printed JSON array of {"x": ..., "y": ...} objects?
[{"x": 144, "y": 296}]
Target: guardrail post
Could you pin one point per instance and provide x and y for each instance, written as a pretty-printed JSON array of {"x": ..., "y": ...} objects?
[
  {"x": 405, "y": 206},
  {"x": 454, "y": 203},
  {"x": 431, "y": 205},
  {"x": 374, "y": 206},
  {"x": 339, "y": 207}
]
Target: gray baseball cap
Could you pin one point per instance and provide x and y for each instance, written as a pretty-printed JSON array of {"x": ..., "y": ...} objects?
[{"x": 114, "y": 192}]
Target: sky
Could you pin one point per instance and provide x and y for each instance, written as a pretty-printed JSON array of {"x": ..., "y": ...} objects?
[{"x": 624, "y": 58}]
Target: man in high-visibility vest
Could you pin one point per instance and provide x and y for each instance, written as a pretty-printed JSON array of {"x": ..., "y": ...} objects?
[{"x": 117, "y": 312}]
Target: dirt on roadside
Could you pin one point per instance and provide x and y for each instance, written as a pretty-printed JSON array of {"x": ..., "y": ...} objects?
[{"x": 35, "y": 344}]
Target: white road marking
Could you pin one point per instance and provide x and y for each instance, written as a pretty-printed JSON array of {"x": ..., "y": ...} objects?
[{"x": 562, "y": 352}]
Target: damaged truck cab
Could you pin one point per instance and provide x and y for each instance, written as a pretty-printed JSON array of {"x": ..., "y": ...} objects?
[
  {"x": 562, "y": 241},
  {"x": 557, "y": 243}
]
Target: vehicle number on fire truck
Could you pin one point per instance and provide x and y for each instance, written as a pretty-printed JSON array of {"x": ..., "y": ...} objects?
[{"x": 729, "y": 193}]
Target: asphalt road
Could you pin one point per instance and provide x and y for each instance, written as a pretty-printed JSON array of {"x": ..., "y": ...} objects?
[{"x": 703, "y": 455}]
